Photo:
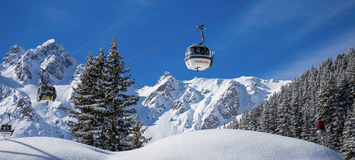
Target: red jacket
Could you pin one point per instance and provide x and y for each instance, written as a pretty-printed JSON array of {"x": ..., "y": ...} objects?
[{"x": 320, "y": 125}]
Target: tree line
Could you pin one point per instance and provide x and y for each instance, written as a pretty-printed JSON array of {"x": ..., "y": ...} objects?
[{"x": 325, "y": 93}]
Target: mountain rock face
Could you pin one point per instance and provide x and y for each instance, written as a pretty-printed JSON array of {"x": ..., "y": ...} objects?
[
  {"x": 19, "y": 78},
  {"x": 173, "y": 106},
  {"x": 168, "y": 108},
  {"x": 27, "y": 65},
  {"x": 166, "y": 91}
]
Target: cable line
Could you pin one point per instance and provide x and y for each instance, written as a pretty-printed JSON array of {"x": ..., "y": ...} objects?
[
  {"x": 160, "y": 44},
  {"x": 113, "y": 27},
  {"x": 224, "y": 11},
  {"x": 147, "y": 51}
]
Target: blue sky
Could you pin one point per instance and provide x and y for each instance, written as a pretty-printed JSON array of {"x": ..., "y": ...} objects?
[{"x": 276, "y": 39}]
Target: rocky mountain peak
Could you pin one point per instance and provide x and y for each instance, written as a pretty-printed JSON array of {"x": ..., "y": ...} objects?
[
  {"x": 50, "y": 42},
  {"x": 165, "y": 77},
  {"x": 13, "y": 55},
  {"x": 50, "y": 45},
  {"x": 16, "y": 49},
  {"x": 27, "y": 65}
]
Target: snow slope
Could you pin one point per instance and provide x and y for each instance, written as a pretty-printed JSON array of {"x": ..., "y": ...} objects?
[
  {"x": 37, "y": 148},
  {"x": 205, "y": 145}
]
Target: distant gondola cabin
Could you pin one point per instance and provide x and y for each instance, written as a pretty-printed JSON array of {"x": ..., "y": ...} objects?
[
  {"x": 46, "y": 94},
  {"x": 6, "y": 130},
  {"x": 6, "y": 127}
]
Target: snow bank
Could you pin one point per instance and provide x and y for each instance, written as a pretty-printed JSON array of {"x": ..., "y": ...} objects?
[
  {"x": 37, "y": 148},
  {"x": 205, "y": 144},
  {"x": 229, "y": 144}
]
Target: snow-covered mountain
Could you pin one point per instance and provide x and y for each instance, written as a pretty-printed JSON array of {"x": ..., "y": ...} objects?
[
  {"x": 168, "y": 108},
  {"x": 19, "y": 79},
  {"x": 172, "y": 106},
  {"x": 25, "y": 66}
]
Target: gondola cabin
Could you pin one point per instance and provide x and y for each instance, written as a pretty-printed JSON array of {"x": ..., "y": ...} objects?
[
  {"x": 46, "y": 94},
  {"x": 198, "y": 57},
  {"x": 5, "y": 130}
]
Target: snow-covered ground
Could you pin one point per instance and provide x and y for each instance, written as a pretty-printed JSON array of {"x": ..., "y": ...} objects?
[{"x": 206, "y": 144}]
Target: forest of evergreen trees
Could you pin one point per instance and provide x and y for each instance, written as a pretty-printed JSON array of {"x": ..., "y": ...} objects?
[{"x": 324, "y": 94}]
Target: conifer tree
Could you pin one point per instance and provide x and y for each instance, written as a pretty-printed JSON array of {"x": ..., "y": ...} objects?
[
  {"x": 283, "y": 114},
  {"x": 348, "y": 143},
  {"x": 138, "y": 139},
  {"x": 233, "y": 125},
  {"x": 307, "y": 131},
  {"x": 118, "y": 117},
  {"x": 245, "y": 121},
  {"x": 295, "y": 116},
  {"x": 331, "y": 111},
  {"x": 264, "y": 119},
  {"x": 104, "y": 113},
  {"x": 85, "y": 125},
  {"x": 254, "y": 120}
]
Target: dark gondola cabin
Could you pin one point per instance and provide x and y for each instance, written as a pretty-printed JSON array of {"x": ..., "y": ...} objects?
[
  {"x": 5, "y": 130},
  {"x": 6, "y": 127},
  {"x": 46, "y": 94},
  {"x": 198, "y": 57}
]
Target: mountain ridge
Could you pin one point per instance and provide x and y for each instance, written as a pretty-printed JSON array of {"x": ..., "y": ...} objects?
[{"x": 174, "y": 106}]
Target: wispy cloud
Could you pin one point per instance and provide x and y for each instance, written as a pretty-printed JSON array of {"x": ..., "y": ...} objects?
[
  {"x": 304, "y": 20},
  {"x": 302, "y": 17},
  {"x": 341, "y": 44}
]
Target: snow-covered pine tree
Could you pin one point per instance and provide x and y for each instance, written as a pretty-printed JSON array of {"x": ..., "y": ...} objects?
[
  {"x": 351, "y": 72},
  {"x": 348, "y": 143},
  {"x": 86, "y": 123},
  {"x": 268, "y": 119},
  {"x": 308, "y": 130},
  {"x": 245, "y": 121},
  {"x": 295, "y": 110},
  {"x": 283, "y": 113},
  {"x": 254, "y": 120},
  {"x": 119, "y": 118},
  {"x": 138, "y": 140},
  {"x": 331, "y": 111},
  {"x": 104, "y": 114},
  {"x": 233, "y": 125},
  {"x": 264, "y": 119}
]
